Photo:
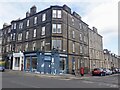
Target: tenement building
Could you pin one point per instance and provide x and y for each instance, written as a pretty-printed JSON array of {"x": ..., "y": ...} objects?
[
  {"x": 54, "y": 41},
  {"x": 111, "y": 60},
  {"x": 95, "y": 49}
]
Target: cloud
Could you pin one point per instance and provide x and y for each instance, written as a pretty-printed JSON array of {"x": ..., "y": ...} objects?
[{"x": 105, "y": 18}]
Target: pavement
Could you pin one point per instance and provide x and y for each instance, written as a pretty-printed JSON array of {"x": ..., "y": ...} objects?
[
  {"x": 20, "y": 79},
  {"x": 62, "y": 76}
]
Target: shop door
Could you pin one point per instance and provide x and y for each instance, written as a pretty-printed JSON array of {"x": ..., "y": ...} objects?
[{"x": 47, "y": 67}]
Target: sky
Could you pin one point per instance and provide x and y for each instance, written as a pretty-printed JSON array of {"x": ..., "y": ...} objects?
[{"x": 102, "y": 14}]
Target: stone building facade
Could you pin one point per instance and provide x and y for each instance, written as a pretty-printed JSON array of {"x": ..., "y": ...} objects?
[
  {"x": 111, "y": 60},
  {"x": 54, "y": 40},
  {"x": 95, "y": 49},
  {"x": 53, "y": 29}
]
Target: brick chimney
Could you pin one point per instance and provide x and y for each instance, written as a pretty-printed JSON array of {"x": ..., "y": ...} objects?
[
  {"x": 33, "y": 10},
  {"x": 27, "y": 14}
]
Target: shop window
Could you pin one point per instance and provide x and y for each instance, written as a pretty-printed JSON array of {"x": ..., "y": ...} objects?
[
  {"x": 28, "y": 63},
  {"x": 34, "y": 63}
]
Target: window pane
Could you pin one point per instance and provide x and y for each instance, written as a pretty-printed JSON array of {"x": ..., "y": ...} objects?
[
  {"x": 80, "y": 25},
  {"x": 73, "y": 34},
  {"x": 73, "y": 21},
  {"x": 54, "y": 14},
  {"x": 34, "y": 63},
  {"x": 34, "y": 33},
  {"x": 26, "y": 47},
  {"x": 58, "y": 44},
  {"x": 20, "y": 36},
  {"x": 28, "y": 22},
  {"x": 59, "y": 13},
  {"x": 27, "y": 33},
  {"x": 81, "y": 49},
  {"x": 35, "y": 20},
  {"x": 44, "y": 17},
  {"x": 14, "y": 25},
  {"x": 54, "y": 28},
  {"x": 42, "y": 45},
  {"x": 20, "y": 25},
  {"x": 43, "y": 30},
  {"x": 34, "y": 45},
  {"x": 58, "y": 28},
  {"x": 73, "y": 47},
  {"x": 80, "y": 36},
  {"x": 54, "y": 44}
]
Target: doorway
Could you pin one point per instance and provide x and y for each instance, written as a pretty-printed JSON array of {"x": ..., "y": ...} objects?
[{"x": 47, "y": 67}]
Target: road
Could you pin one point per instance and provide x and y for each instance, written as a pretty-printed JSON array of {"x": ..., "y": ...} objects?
[{"x": 20, "y": 80}]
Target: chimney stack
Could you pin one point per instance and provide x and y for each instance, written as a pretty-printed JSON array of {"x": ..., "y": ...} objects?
[
  {"x": 5, "y": 25},
  {"x": 27, "y": 14},
  {"x": 33, "y": 10},
  {"x": 66, "y": 8},
  {"x": 95, "y": 29}
]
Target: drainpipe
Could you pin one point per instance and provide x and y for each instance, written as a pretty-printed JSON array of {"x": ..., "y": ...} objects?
[{"x": 67, "y": 66}]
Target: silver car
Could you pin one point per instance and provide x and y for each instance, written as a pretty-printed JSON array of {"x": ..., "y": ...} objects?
[{"x": 108, "y": 71}]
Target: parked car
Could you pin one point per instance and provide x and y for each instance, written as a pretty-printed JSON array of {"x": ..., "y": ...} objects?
[
  {"x": 115, "y": 70},
  {"x": 118, "y": 70},
  {"x": 98, "y": 71},
  {"x": 107, "y": 71},
  {"x": 2, "y": 68}
]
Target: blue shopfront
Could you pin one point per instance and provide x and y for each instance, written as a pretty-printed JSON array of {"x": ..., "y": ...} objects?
[{"x": 45, "y": 62}]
